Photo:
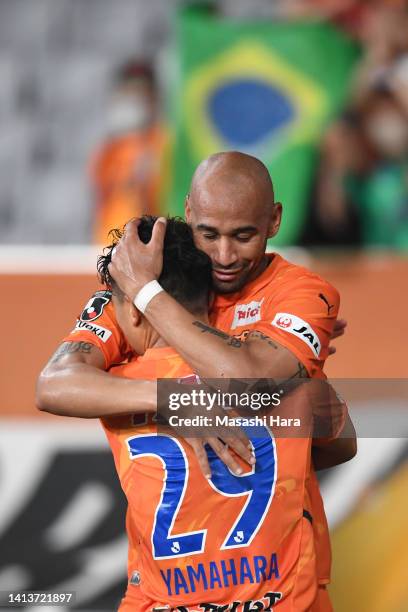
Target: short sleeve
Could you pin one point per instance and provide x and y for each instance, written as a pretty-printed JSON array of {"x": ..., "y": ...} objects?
[
  {"x": 97, "y": 324},
  {"x": 301, "y": 318}
]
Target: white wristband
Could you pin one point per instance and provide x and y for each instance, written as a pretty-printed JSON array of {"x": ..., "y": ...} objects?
[{"x": 146, "y": 294}]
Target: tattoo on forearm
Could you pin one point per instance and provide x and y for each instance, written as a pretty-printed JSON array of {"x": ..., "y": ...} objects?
[
  {"x": 301, "y": 372},
  {"x": 70, "y": 347},
  {"x": 231, "y": 341},
  {"x": 260, "y": 336}
]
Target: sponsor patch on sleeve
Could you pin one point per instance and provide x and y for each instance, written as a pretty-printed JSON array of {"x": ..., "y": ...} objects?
[
  {"x": 101, "y": 332},
  {"x": 299, "y": 328},
  {"x": 94, "y": 308}
]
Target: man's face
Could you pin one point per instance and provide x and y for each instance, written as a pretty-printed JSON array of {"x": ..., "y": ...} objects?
[{"x": 233, "y": 232}]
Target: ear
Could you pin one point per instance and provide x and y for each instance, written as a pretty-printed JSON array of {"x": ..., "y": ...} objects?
[
  {"x": 187, "y": 208},
  {"x": 135, "y": 315},
  {"x": 275, "y": 220}
]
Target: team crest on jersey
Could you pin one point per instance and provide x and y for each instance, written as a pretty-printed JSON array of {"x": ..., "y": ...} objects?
[
  {"x": 94, "y": 308},
  {"x": 299, "y": 328},
  {"x": 245, "y": 314}
]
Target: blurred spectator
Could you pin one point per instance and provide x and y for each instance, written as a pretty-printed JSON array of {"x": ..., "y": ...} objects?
[
  {"x": 127, "y": 170},
  {"x": 361, "y": 193},
  {"x": 398, "y": 80},
  {"x": 364, "y": 173},
  {"x": 383, "y": 34}
]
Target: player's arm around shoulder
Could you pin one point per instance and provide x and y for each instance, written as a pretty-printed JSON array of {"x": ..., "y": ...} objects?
[
  {"x": 293, "y": 335},
  {"x": 290, "y": 336},
  {"x": 335, "y": 442},
  {"x": 75, "y": 381},
  {"x": 63, "y": 376},
  {"x": 303, "y": 324}
]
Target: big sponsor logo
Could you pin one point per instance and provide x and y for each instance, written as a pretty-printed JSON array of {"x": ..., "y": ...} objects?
[
  {"x": 101, "y": 332},
  {"x": 245, "y": 314},
  {"x": 299, "y": 328}
]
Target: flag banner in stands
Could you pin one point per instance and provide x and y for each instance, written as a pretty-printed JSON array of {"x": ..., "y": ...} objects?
[{"x": 265, "y": 88}]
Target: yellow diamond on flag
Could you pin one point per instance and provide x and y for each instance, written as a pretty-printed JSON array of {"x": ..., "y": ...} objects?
[{"x": 250, "y": 98}]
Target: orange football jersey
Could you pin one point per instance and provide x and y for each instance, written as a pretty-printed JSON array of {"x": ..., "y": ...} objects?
[
  {"x": 286, "y": 302},
  {"x": 298, "y": 309},
  {"x": 236, "y": 543},
  {"x": 97, "y": 324}
]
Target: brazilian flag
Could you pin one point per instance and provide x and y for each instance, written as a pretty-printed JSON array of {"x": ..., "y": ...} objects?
[{"x": 265, "y": 88}]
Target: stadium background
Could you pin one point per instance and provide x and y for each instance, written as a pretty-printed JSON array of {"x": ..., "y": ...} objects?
[{"x": 61, "y": 511}]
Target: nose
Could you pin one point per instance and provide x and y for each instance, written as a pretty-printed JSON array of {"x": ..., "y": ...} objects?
[{"x": 225, "y": 254}]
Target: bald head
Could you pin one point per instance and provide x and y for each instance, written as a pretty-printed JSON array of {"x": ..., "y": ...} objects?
[
  {"x": 232, "y": 212},
  {"x": 234, "y": 172}
]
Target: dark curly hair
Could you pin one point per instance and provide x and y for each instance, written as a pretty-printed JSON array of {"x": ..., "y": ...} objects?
[{"x": 186, "y": 274}]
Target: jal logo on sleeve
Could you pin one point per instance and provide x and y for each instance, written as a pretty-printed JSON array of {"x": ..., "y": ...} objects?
[
  {"x": 299, "y": 328},
  {"x": 245, "y": 314},
  {"x": 284, "y": 322},
  {"x": 95, "y": 306}
]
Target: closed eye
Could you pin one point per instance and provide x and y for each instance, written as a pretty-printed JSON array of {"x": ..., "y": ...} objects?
[{"x": 244, "y": 237}]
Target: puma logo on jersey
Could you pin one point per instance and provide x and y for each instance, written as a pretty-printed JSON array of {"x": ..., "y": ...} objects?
[
  {"x": 247, "y": 313},
  {"x": 299, "y": 328},
  {"x": 326, "y": 301}
]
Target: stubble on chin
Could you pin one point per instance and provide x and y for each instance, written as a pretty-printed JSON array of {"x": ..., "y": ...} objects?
[{"x": 226, "y": 288}]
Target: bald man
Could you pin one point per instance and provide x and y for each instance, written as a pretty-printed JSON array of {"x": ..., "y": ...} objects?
[
  {"x": 232, "y": 212},
  {"x": 276, "y": 319}
]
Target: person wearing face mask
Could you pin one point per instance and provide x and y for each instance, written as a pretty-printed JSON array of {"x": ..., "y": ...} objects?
[
  {"x": 362, "y": 188},
  {"x": 127, "y": 169},
  {"x": 383, "y": 194}
]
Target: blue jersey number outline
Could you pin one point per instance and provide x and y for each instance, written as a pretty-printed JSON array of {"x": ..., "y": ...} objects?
[{"x": 258, "y": 485}]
